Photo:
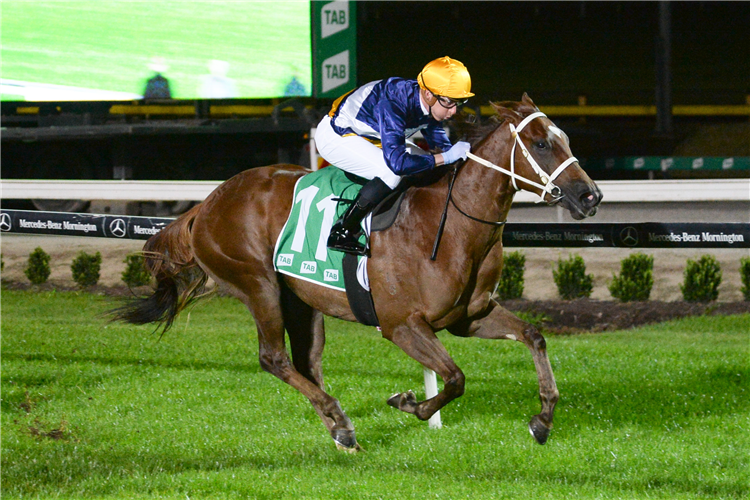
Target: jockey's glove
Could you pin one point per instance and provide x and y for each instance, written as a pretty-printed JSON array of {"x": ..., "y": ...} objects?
[{"x": 458, "y": 151}]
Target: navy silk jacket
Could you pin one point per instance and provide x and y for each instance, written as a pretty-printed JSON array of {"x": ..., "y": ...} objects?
[{"x": 388, "y": 112}]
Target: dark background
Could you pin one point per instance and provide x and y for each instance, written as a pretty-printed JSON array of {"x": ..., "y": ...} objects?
[
  {"x": 557, "y": 51},
  {"x": 605, "y": 52}
]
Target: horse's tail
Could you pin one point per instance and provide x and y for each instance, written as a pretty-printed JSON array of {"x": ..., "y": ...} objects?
[{"x": 180, "y": 281}]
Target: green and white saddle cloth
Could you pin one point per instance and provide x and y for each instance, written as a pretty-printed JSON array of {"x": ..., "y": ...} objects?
[{"x": 301, "y": 249}]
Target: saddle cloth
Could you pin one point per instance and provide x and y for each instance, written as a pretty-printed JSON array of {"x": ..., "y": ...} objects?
[{"x": 301, "y": 249}]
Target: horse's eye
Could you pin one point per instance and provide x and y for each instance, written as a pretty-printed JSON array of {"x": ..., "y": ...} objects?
[{"x": 540, "y": 145}]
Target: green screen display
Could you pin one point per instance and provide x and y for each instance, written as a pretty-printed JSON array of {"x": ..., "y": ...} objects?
[{"x": 93, "y": 50}]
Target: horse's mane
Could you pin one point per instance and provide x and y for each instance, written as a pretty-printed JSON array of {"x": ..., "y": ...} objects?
[{"x": 469, "y": 128}]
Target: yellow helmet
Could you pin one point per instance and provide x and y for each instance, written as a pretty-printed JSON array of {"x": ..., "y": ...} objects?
[{"x": 446, "y": 77}]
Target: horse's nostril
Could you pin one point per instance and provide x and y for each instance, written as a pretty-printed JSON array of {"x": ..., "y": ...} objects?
[{"x": 588, "y": 199}]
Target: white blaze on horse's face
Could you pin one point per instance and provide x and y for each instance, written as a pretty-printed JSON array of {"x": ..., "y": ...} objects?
[
  {"x": 547, "y": 186},
  {"x": 559, "y": 133}
]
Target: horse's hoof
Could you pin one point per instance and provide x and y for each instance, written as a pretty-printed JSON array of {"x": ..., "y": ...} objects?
[
  {"x": 539, "y": 430},
  {"x": 352, "y": 451},
  {"x": 405, "y": 401},
  {"x": 345, "y": 440}
]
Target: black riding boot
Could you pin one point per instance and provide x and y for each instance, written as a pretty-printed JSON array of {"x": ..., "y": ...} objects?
[{"x": 345, "y": 233}]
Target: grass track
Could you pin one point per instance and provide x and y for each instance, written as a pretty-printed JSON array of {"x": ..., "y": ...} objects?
[{"x": 91, "y": 410}]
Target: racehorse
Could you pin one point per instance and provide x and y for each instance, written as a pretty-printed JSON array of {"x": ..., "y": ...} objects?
[{"x": 230, "y": 237}]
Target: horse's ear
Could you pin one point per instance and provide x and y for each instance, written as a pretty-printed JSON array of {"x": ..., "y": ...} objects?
[
  {"x": 527, "y": 100},
  {"x": 505, "y": 112}
]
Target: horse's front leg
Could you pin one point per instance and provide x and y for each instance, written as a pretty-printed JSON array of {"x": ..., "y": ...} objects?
[
  {"x": 498, "y": 323},
  {"x": 417, "y": 339}
]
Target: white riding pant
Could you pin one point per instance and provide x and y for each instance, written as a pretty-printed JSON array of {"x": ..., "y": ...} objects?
[{"x": 356, "y": 155}]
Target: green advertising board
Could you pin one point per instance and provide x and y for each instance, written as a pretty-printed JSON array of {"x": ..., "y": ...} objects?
[
  {"x": 665, "y": 163},
  {"x": 334, "y": 47}
]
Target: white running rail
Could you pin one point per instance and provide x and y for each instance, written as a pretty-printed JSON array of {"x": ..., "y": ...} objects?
[{"x": 614, "y": 191}]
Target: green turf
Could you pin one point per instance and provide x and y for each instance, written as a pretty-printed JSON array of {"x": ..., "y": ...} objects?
[
  {"x": 92, "y": 410},
  {"x": 107, "y": 45}
]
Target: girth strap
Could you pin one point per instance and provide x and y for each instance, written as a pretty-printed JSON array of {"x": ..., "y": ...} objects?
[{"x": 360, "y": 299}]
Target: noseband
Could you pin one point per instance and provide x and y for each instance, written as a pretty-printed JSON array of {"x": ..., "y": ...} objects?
[{"x": 547, "y": 185}]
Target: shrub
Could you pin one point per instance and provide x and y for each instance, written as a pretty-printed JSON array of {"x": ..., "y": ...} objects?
[
  {"x": 539, "y": 320},
  {"x": 745, "y": 276},
  {"x": 135, "y": 273},
  {"x": 38, "y": 269},
  {"x": 635, "y": 280},
  {"x": 511, "y": 280},
  {"x": 86, "y": 269},
  {"x": 571, "y": 278},
  {"x": 702, "y": 280}
]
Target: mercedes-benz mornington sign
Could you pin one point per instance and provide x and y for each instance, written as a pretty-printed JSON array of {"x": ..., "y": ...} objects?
[
  {"x": 629, "y": 235},
  {"x": 622, "y": 235},
  {"x": 73, "y": 224}
]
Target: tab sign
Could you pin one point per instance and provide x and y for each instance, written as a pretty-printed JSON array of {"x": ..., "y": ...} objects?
[
  {"x": 336, "y": 71},
  {"x": 334, "y": 18}
]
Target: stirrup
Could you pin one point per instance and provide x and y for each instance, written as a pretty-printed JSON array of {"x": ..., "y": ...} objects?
[{"x": 345, "y": 241}]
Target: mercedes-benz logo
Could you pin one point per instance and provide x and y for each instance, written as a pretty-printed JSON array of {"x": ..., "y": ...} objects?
[
  {"x": 5, "y": 224},
  {"x": 629, "y": 236},
  {"x": 118, "y": 228}
]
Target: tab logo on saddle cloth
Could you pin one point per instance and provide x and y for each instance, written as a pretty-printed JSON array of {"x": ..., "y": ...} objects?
[
  {"x": 301, "y": 249},
  {"x": 308, "y": 267},
  {"x": 285, "y": 259}
]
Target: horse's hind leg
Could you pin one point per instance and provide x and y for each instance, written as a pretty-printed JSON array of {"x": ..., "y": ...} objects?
[
  {"x": 499, "y": 323},
  {"x": 265, "y": 297},
  {"x": 266, "y": 308},
  {"x": 275, "y": 360},
  {"x": 304, "y": 325}
]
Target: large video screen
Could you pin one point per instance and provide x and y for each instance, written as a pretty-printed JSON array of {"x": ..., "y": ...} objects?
[{"x": 92, "y": 50}]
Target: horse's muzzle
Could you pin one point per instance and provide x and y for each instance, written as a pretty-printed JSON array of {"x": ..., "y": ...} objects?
[{"x": 583, "y": 205}]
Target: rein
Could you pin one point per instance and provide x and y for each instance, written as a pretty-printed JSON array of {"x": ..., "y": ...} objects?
[{"x": 450, "y": 199}]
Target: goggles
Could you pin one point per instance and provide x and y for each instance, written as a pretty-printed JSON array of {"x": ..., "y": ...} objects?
[{"x": 449, "y": 103}]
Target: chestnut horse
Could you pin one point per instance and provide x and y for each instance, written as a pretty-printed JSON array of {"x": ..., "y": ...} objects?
[{"x": 230, "y": 237}]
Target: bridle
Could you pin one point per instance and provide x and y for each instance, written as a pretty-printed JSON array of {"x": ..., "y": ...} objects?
[
  {"x": 547, "y": 185},
  {"x": 547, "y": 181}
]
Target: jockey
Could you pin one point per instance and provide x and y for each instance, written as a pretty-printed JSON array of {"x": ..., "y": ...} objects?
[{"x": 366, "y": 130}]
